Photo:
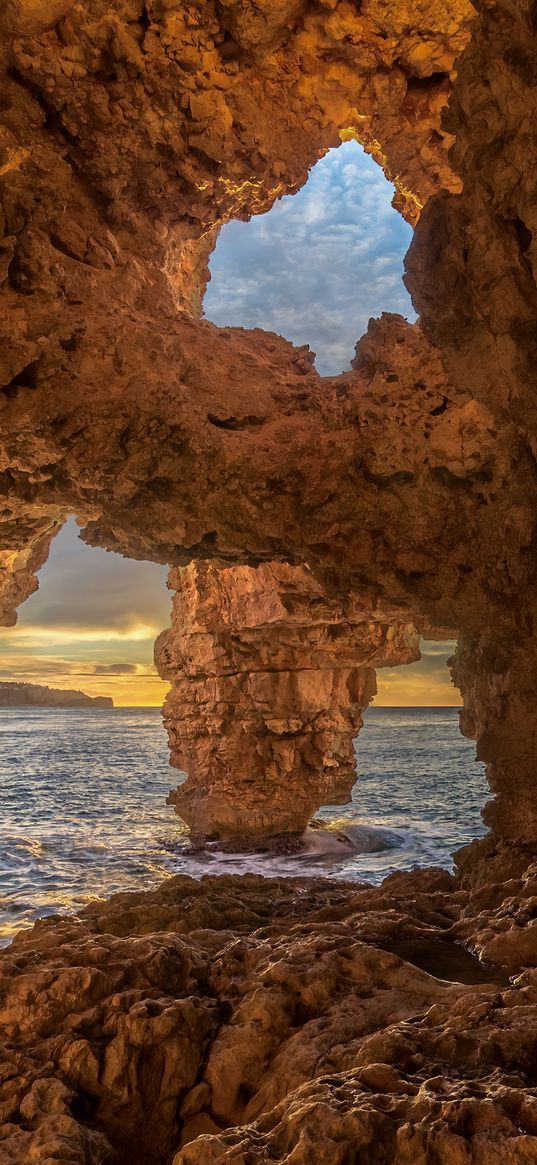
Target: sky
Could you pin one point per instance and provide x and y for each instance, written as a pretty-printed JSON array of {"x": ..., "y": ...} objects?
[
  {"x": 319, "y": 264},
  {"x": 91, "y": 625},
  {"x": 314, "y": 269}
]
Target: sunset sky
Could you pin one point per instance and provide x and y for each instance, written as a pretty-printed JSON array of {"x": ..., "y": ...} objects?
[{"x": 314, "y": 269}]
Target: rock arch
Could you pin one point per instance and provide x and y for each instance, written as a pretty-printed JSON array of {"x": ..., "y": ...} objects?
[
  {"x": 129, "y": 132},
  {"x": 128, "y": 136}
]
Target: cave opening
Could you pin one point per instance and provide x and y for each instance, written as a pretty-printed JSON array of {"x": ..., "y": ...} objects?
[
  {"x": 269, "y": 1018},
  {"x": 84, "y": 785},
  {"x": 314, "y": 268},
  {"x": 319, "y": 264}
]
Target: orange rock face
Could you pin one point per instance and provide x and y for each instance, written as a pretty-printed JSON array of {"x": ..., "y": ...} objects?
[
  {"x": 256, "y": 1021},
  {"x": 246, "y": 1020},
  {"x": 18, "y": 567},
  {"x": 129, "y": 133},
  {"x": 269, "y": 680}
]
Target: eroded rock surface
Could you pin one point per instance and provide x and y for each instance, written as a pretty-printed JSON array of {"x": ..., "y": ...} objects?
[
  {"x": 244, "y": 1019},
  {"x": 269, "y": 680},
  {"x": 129, "y": 133},
  {"x": 19, "y": 567},
  {"x": 496, "y": 675},
  {"x": 252, "y": 1020}
]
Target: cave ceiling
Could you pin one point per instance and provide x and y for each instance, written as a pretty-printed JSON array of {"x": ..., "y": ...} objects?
[{"x": 130, "y": 133}]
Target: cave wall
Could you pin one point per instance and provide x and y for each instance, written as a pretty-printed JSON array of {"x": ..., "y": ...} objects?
[
  {"x": 277, "y": 1019},
  {"x": 496, "y": 676},
  {"x": 128, "y": 135}
]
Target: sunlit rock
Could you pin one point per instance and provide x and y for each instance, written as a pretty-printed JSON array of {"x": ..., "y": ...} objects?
[
  {"x": 269, "y": 680},
  {"x": 254, "y": 1020}
]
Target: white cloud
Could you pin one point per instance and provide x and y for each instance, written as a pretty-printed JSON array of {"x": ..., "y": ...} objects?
[
  {"x": 35, "y": 636},
  {"x": 319, "y": 264}
]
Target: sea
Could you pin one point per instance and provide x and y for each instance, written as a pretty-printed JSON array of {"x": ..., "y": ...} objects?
[{"x": 83, "y": 808}]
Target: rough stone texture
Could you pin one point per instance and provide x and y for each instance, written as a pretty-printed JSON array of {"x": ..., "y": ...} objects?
[
  {"x": 383, "y": 478},
  {"x": 497, "y": 679},
  {"x": 472, "y": 265},
  {"x": 245, "y": 1020},
  {"x": 129, "y": 133},
  {"x": 269, "y": 680},
  {"x": 19, "y": 567}
]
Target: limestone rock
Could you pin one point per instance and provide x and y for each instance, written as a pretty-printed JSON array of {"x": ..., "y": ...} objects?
[
  {"x": 15, "y": 695},
  {"x": 19, "y": 566},
  {"x": 273, "y": 1019},
  {"x": 269, "y": 680},
  {"x": 231, "y": 1019},
  {"x": 143, "y": 126},
  {"x": 378, "y": 483},
  {"x": 128, "y": 134}
]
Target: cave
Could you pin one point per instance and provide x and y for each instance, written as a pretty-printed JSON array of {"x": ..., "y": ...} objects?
[{"x": 244, "y": 1019}]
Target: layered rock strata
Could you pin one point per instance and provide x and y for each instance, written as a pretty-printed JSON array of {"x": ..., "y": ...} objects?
[
  {"x": 19, "y": 567},
  {"x": 128, "y": 135},
  {"x": 269, "y": 680},
  {"x": 384, "y": 479},
  {"x": 496, "y": 676},
  {"x": 244, "y": 1019}
]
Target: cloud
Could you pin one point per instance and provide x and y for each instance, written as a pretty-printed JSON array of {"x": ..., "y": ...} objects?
[
  {"x": 98, "y": 593},
  {"x": 33, "y": 636},
  {"x": 92, "y": 624},
  {"x": 15, "y": 665},
  {"x": 115, "y": 669},
  {"x": 438, "y": 647},
  {"x": 314, "y": 269},
  {"x": 319, "y": 264},
  {"x": 425, "y": 683},
  {"x": 129, "y": 684}
]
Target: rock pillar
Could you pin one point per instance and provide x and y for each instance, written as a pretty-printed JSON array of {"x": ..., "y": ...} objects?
[{"x": 269, "y": 681}]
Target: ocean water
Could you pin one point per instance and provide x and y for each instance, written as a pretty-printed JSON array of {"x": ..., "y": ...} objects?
[{"x": 83, "y": 813}]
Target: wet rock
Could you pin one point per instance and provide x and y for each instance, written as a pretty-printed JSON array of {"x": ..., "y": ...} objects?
[{"x": 267, "y": 1020}]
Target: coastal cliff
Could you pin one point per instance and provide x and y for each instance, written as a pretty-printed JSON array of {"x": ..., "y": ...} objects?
[
  {"x": 14, "y": 695},
  {"x": 269, "y": 679},
  {"x": 242, "y": 1020}
]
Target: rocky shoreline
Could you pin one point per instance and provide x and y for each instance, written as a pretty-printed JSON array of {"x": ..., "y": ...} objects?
[
  {"x": 315, "y": 527},
  {"x": 246, "y": 1020}
]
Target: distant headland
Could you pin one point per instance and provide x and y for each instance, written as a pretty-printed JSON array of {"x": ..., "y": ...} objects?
[{"x": 14, "y": 695}]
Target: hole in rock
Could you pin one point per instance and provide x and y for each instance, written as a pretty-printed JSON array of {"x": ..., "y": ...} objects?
[
  {"x": 419, "y": 790},
  {"x": 84, "y": 788},
  {"x": 447, "y": 960},
  {"x": 319, "y": 264}
]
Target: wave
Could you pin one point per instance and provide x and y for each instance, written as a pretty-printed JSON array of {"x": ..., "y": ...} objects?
[{"x": 348, "y": 840}]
